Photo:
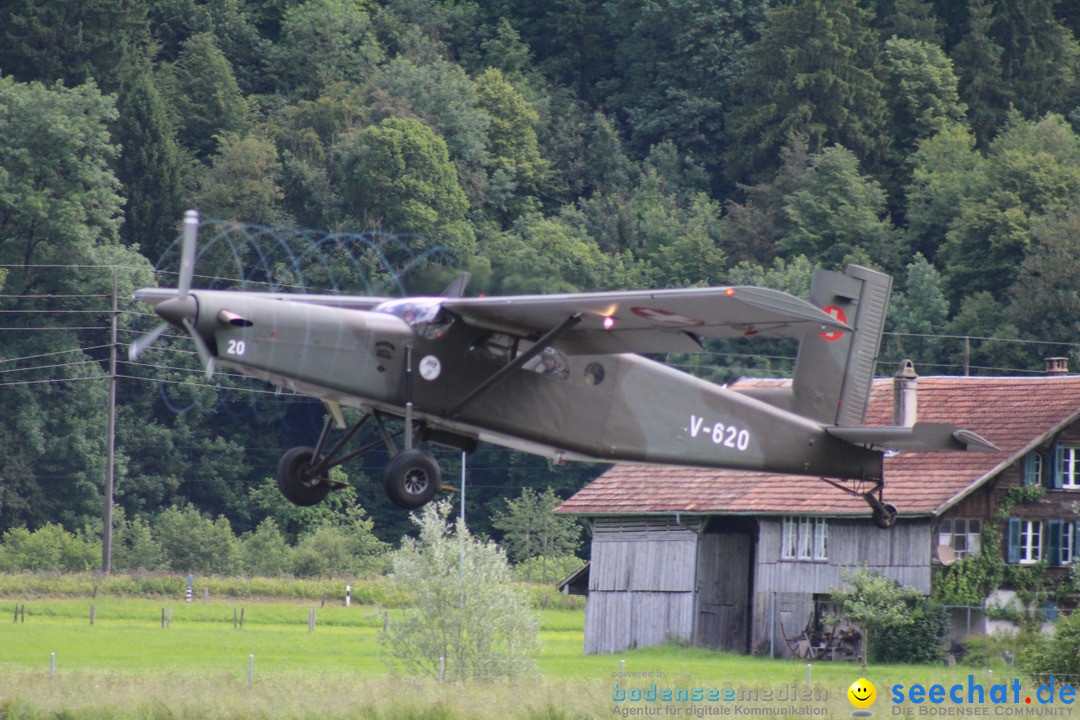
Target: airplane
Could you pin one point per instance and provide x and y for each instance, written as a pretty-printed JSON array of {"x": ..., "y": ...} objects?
[{"x": 561, "y": 376}]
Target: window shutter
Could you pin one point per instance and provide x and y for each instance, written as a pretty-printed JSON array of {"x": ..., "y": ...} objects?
[
  {"x": 1055, "y": 479},
  {"x": 1076, "y": 539},
  {"x": 1053, "y": 542},
  {"x": 1013, "y": 551},
  {"x": 1031, "y": 468}
]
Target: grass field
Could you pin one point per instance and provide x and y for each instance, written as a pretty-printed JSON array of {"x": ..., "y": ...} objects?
[{"x": 127, "y": 666}]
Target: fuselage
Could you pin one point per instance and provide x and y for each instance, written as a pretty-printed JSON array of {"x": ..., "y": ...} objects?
[{"x": 601, "y": 407}]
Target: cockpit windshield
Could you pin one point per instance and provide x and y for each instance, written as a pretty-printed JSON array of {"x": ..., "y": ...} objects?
[{"x": 424, "y": 315}]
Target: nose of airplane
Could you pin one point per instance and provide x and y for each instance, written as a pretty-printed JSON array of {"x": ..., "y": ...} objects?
[{"x": 175, "y": 310}]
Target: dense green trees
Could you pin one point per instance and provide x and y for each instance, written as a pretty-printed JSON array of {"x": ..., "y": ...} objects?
[{"x": 544, "y": 146}]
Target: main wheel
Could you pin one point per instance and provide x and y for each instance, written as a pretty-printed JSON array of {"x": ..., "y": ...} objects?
[
  {"x": 412, "y": 478},
  {"x": 294, "y": 481},
  {"x": 885, "y": 516}
]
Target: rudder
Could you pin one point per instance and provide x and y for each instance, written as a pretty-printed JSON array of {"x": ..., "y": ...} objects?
[{"x": 834, "y": 371}]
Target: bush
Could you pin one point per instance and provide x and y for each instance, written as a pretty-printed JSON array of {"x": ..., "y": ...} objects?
[
  {"x": 48, "y": 548},
  {"x": 467, "y": 610},
  {"x": 195, "y": 543},
  {"x": 134, "y": 546},
  {"x": 265, "y": 551},
  {"x": 898, "y": 623},
  {"x": 917, "y": 641}
]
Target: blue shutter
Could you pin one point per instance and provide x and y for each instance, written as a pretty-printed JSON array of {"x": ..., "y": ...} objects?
[
  {"x": 1013, "y": 550},
  {"x": 1055, "y": 480},
  {"x": 1031, "y": 468},
  {"x": 1053, "y": 542},
  {"x": 1076, "y": 539}
]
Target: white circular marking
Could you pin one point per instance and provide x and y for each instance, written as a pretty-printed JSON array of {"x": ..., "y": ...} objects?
[{"x": 430, "y": 367}]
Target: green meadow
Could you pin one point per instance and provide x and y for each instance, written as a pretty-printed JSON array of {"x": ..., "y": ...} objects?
[{"x": 126, "y": 665}]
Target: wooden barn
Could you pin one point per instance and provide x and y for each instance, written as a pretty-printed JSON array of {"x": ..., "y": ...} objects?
[{"x": 744, "y": 561}]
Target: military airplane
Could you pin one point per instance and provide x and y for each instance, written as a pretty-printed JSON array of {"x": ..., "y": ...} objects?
[{"x": 561, "y": 376}]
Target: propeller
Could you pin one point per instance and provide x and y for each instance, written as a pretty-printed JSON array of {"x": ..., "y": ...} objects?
[{"x": 182, "y": 310}]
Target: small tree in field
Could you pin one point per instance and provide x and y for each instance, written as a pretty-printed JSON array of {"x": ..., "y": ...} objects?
[
  {"x": 466, "y": 609},
  {"x": 533, "y": 530}
]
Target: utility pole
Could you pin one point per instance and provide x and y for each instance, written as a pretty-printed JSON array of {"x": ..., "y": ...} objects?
[{"x": 110, "y": 454}]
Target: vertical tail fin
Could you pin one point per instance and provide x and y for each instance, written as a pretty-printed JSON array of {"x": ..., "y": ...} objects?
[{"x": 834, "y": 371}]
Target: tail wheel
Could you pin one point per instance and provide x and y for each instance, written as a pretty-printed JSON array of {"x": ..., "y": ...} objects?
[
  {"x": 296, "y": 483},
  {"x": 412, "y": 478},
  {"x": 885, "y": 516}
]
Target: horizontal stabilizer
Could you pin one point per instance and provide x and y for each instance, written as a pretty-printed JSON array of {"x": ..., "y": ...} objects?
[{"x": 923, "y": 437}]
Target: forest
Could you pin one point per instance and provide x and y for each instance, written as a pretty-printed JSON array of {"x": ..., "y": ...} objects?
[{"x": 386, "y": 145}]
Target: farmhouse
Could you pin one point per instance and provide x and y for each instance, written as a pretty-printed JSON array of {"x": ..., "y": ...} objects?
[{"x": 742, "y": 561}]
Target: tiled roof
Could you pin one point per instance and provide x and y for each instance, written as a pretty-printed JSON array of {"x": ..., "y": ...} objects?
[{"x": 1013, "y": 413}]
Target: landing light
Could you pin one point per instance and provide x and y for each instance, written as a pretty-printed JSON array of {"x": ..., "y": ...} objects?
[{"x": 609, "y": 322}]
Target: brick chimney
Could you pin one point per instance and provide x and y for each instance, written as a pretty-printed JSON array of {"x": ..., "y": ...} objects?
[
  {"x": 905, "y": 395},
  {"x": 1057, "y": 366}
]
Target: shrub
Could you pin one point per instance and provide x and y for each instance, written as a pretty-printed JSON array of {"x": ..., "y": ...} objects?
[
  {"x": 467, "y": 609},
  {"x": 48, "y": 548},
  {"x": 898, "y": 623},
  {"x": 265, "y": 551},
  {"x": 193, "y": 542}
]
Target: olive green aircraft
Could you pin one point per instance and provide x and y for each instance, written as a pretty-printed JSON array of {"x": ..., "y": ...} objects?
[{"x": 561, "y": 376}]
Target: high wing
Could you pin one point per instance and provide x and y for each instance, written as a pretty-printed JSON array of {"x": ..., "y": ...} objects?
[
  {"x": 349, "y": 302},
  {"x": 648, "y": 321}
]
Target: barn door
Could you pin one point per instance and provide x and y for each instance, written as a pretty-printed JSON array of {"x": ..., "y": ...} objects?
[{"x": 723, "y": 590}]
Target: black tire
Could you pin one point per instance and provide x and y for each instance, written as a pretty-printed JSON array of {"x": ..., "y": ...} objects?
[
  {"x": 885, "y": 518},
  {"x": 411, "y": 479},
  {"x": 294, "y": 482}
]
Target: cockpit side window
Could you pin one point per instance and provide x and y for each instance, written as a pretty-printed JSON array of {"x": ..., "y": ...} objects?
[
  {"x": 425, "y": 317},
  {"x": 550, "y": 362}
]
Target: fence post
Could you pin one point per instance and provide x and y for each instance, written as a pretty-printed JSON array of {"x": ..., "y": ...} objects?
[
  {"x": 93, "y": 611},
  {"x": 251, "y": 670},
  {"x": 311, "y": 621},
  {"x": 52, "y": 665}
]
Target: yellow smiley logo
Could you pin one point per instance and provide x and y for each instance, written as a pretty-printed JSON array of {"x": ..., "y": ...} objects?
[{"x": 862, "y": 693}]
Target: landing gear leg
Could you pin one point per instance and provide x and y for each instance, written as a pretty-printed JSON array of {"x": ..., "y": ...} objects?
[
  {"x": 412, "y": 477},
  {"x": 883, "y": 514}
]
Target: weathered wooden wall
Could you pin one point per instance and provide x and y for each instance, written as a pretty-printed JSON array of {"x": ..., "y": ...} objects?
[
  {"x": 641, "y": 583},
  {"x": 902, "y": 554}
]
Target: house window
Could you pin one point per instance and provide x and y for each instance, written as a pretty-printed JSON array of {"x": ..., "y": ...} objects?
[
  {"x": 1033, "y": 468},
  {"x": 1067, "y": 540},
  {"x": 821, "y": 539},
  {"x": 788, "y": 540},
  {"x": 1030, "y": 541},
  {"x": 1069, "y": 466},
  {"x": 1060, "y": 541},
  {"x": 961, "y": 534},
  {"x": 804, "y": 538}
]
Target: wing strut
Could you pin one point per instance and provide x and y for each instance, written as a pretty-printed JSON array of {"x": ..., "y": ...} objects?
[{"x": 549, "y": 337}]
